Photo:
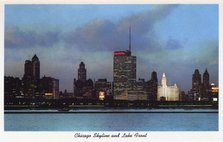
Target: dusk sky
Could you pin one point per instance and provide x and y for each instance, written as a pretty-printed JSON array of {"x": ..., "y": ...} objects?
[{"x": 175, "y": 39}]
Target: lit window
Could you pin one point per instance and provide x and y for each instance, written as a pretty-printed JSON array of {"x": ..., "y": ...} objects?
[{"x": 101, "y": 95}]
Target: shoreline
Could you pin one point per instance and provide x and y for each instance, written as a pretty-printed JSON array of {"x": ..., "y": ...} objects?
[{"x": 27, "y": 111}]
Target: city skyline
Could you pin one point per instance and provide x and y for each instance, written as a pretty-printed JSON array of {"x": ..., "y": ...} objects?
[{"x": 175, "y": 39}]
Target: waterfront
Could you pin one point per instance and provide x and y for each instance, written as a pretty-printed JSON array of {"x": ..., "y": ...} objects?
[{"x": 112, "y": 120}]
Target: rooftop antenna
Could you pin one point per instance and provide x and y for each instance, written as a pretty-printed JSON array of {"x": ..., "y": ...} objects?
[{"x": 130, "y": 38}]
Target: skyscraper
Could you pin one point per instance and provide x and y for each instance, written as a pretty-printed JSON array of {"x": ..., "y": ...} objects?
[
  {"x": 152, "y": 87},
  {"x": 50, "y": 87},
  {"x": 104, "y": 87},
  {"x": 206, "y": 79},
  {"x": 28, "y": 68},
  {"x": 83, "y": 87},
  {"x": 196, "y": 80},
  {"x": 124, "y": 71},
  {"x": 167, "y": 93},
  {"x": 31, "y": 77},
  {"x": 200, "y": 90},
  {"x": 12, "y": 88},
  {"x": 206, "y": 89},
  {"x": 36, "y": 67},
  {"x": 82, "y": 72}
]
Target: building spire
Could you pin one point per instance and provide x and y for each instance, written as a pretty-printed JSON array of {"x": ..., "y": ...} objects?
[
  {"x": 164, "y": 75},
  {"x": 164, "y": 80},
  {"x": 206, "y": 70},
  {"x": 130, "y": 38}
]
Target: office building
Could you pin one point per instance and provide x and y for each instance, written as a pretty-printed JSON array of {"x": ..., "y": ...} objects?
[
  {"x": 206, "y": 79},
  {"x": 167, "y": 93},
  {"x": 31, "y": 78},
  {"x": 12, "y": 88},
  {"x": 102, "y": 89},
  {"x": 124, "y": 73},
  {"x": 152, "y": 86},
  {"x": 196, "y": 81},
  {"x": 82, "y": 72},
  {"x": 49, "y": 87},
  {"x": 35, "y": 67},
  {"x": 200, "y": 91},
  {"x": 83, "y": 88}
]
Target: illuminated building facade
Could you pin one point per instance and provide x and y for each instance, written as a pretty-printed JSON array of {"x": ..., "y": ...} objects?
[
  {"x": 214, "y": 92},
  {"x": 125, "y": 86},
  {"x": 167, "y": 93},
  {"x": 50, "y": 87},
  {"x": 102, "y": 88},
  {"x": 124, "y": 73}
]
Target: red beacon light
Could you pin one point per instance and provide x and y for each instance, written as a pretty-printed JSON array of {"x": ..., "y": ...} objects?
[{"x": 119, "y": 53}]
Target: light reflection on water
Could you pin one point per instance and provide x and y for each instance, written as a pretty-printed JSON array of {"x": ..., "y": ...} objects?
[{"x": 111, "y": 122}]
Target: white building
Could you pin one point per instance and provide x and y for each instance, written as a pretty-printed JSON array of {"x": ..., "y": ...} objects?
[{"x": 168, "y": 93}]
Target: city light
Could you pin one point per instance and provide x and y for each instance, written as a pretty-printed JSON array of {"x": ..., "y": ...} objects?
[
  {"x": 214, "y": 89},
  {"x": 215, "y": 99},
  {"x": 48, "y": 94},
  {"x": 101, "y": 95}
]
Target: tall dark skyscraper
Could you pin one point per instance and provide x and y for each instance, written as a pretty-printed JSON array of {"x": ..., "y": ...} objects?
[
  {"x": 82, "y": 86},
  {"x": 200, "y": 90},
  {"x": 82, "y": 75},
  {"x": 124, "y": 71},
  {"x": 206, "y": 90},
  {"x": 32, "y": 68},
  {"x": 206, "y": 79},
  {"x": 28, "y": 68},
  {"x": 152, "y": 87},
  {"x": 196, "y": 81},
  {"x": 27, "y": 78},
  {"x": 31, "y": 76},
  {"x": 36, "y": 67}
]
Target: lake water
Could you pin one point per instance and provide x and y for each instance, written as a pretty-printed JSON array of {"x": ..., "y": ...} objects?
[{"x": 97, "y": 120}]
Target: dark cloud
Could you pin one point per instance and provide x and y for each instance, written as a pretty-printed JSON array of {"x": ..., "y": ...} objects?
[
  {"x": 104, "y": 35},
  {"x": 96, "y": 35},
  {"x": 144, "y": 22},
  {"x": 173, "y": 44},
  {"x": 17, "y": 38}
]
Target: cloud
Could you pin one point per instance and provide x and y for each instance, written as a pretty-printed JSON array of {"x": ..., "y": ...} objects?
[
  {"x": 145, "y": 21},
  {"x": 173, "y": 44},
  {"x": 17, "y": 38},
  {"x": 97, "y": 34},
  {"x": 94, "y": 42},
  {"x": 100, "y": 34}
]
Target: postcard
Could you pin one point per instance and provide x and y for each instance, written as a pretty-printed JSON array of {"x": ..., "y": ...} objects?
[{"x": 111, "y": 71}]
